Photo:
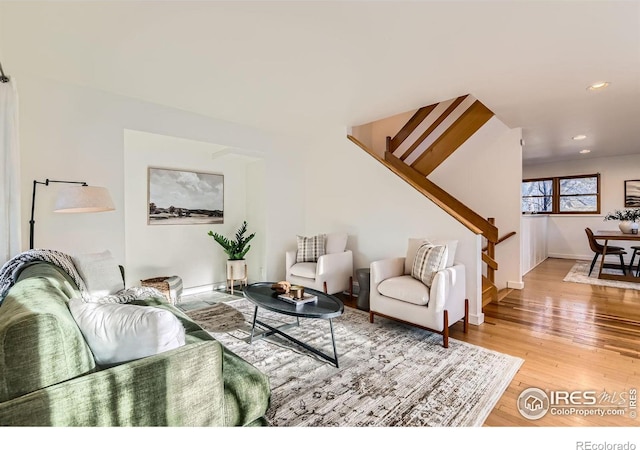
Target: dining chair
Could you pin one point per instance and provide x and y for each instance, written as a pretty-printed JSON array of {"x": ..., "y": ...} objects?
[
  {"x": 636, "y": 251},
  {"x": 598, "y": 249}
]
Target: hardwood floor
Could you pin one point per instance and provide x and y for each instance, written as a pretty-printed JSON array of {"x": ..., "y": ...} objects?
[{"x": 574, "y": 337}]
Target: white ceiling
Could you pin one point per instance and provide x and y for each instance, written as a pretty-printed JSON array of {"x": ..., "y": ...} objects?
[{"x": 301, "y": 67}]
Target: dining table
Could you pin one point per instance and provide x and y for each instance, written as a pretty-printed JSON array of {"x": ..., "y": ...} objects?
[{"x": 615, "y": 235}]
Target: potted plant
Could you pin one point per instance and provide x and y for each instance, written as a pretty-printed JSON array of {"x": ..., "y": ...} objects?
[
  {"x": 236, "y": 251},
  {"x": 626, "y": 217}
]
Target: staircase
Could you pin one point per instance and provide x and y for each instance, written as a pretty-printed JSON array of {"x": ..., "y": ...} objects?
[
  {"x": 430, "y": 136},
  {"x": 489, "y": 291}
]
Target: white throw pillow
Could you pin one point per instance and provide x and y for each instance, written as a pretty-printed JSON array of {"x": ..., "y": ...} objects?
[
  {"x": 118, "y": 332},
  {"x": 100, "y": 273},
  {"x": 412, "y": 247},
  {"x": 451, "y": 245},
  {"x": 429, "y": 260}
]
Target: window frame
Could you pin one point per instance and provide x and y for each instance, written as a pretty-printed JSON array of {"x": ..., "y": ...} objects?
[{"x": 556, "y": 196}]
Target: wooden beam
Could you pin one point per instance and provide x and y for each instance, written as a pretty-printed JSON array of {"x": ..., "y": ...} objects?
[
  {"x": 410, "y": 126},
  {"x": 456, "y": 135},
  {"x": 433, "y": 126}
]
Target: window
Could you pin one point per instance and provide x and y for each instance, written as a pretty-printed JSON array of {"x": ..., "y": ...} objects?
[
  {"x": 578, "y": 194},
  {"x": 537, "y": 195}
]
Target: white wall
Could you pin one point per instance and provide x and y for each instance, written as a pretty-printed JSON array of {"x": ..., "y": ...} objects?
[
  {"x": 348, "y": 190},
  {"x": 305, "y": 186},
  {"x": 73, "y": 133},
  {"x": 566, "y": 236},
  {"x": 485, "y": 173},
  {"x": 185, "y": 250}
]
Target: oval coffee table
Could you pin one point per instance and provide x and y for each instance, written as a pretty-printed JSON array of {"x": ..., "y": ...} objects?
[{"x": 325, "y": 307}]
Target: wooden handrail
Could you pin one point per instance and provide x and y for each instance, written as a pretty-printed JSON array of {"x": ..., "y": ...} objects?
[
  {"x": 502, "y": 239},
  {"x": 371, "y": 152},
  {"x": 443, "y": 199}
]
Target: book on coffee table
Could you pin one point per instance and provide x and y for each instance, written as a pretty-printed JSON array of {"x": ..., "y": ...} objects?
[{"x": 306, "y": 298}]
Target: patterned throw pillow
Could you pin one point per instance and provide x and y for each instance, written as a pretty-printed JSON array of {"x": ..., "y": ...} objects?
[
  {"x": 429, "y": 260},
  {"x": 310, "y": 248}
]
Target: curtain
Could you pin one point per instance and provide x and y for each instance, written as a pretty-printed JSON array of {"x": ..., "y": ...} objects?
[{"x": 10, "y": 241}]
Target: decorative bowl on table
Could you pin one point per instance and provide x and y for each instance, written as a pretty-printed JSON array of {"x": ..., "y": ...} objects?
[
  {"x": 281, "y": 287},
  {"x": 297, "y": 291}
]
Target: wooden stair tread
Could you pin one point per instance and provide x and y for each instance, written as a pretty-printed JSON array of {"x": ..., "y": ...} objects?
[
  {"x": 502, "y": 293},
  {"x": 489, "y": 291}
]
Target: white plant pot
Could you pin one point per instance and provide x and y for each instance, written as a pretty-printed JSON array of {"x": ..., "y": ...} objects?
[
  {"x": 626, "y": 226},
  {"x": 236, "y": 269}
]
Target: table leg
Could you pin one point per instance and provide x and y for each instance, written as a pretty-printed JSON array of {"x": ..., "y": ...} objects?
[
  {"x": 333, "y": 341},
  {"x": 604, "y": 254},
  {"x": 253, "y": 326},
  {"x": 279, "y": 331}
]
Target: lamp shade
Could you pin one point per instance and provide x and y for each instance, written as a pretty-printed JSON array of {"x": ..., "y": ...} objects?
[{"x": 83, "y": 199}]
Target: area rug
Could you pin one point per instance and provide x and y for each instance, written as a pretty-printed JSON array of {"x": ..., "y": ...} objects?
[
  {"x": 390, "y": 374},
  {"x": 579, "y": 273}
]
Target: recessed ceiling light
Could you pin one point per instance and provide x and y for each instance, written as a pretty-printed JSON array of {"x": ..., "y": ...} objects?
[
  {"x": 579, "y": 137},
  {"x": 597, "y": 86},
  {"x": 586, "y": 150}
]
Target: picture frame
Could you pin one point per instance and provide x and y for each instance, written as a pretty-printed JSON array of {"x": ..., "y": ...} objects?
[
  {"x": 184, "y": 197},
  {"x": 632, "y": 193}
]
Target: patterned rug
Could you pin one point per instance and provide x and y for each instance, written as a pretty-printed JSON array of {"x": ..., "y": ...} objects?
[
  {"x": 579, "y": 273},
  {"x": 390, "y": 374}
]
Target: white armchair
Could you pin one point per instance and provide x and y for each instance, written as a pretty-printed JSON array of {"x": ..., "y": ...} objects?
[
  {"x": 332, "y": 273},
  {"x": 396, "y": 295}
]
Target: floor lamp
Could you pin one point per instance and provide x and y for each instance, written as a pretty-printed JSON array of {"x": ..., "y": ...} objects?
[{"x": 79, "y": 198}]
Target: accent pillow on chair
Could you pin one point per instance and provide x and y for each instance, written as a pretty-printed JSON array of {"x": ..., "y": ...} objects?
[
  {"x": 451, "y": 245},
  {"x": 429, "y": 260},
  {"x": 415, "y": 243},
  {"x": 310, "y": 248}
]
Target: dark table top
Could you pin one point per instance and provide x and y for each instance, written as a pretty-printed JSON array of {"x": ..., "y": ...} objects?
[{"x": 325, "y": 307}]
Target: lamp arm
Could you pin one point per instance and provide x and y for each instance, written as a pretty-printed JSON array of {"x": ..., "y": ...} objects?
[{"x": 33, "y": 203}]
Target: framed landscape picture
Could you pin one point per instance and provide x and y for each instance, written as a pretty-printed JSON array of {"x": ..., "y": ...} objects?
[
  {"x": 632, "y": 193},
  {"x": 183, "y": 197}
]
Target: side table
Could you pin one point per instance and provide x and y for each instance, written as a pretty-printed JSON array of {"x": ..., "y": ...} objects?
[{"x": 363, "y": 276}]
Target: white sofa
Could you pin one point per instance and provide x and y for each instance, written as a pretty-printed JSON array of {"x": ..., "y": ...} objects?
[
  {"x": 395, "y": 294},
  {"x": 332, "y": 273}
]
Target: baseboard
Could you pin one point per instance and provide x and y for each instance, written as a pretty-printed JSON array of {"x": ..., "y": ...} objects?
[
  {"x": 515, "y": 285},
  {"x": 567, "y": 256},
  {"x": 204, "y": 288},
  {"x": 476, "y": 319}
]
